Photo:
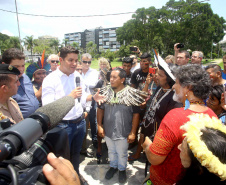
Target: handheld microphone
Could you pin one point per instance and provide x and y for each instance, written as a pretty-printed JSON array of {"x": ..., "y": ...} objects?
[
  {"x": 18, "y": 138},
  {"x": 77, "y": 80}
]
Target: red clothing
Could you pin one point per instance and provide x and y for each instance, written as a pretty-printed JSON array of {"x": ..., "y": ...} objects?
[{"x": 165, "y": 143}]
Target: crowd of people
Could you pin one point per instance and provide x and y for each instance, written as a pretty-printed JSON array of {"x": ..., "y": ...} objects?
[{"x": 173, "y": 109}]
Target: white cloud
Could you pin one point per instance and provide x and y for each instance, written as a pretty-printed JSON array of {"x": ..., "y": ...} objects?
[{"x": 7, "y": 32}]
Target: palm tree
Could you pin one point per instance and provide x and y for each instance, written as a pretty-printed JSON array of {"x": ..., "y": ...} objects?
[
  {"x": 64, "y": 42},
  {"x": 55, "y": 43},
  {"x": 75, "y": 45},
  {"x": 29, "y": 42}
]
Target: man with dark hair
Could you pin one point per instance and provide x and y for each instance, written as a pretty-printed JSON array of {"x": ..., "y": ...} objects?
[
  {"x": 126, "y": 65},
  {"x": 181, "y": 57},
  {"x": 120, "y": 116},
  {"x": 25, "y": 96},
  {"x": 62, "y": 82},
  {"x": 9, "y": 83},
  {"x": 139, "y": 76},
  {"x": 214, "y": 71}
]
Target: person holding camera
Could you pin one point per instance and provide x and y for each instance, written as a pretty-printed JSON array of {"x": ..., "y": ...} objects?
[
  {"x": 139, "y": 76},
  {"x": 135, "y": 64},
  {"x": 181, "y": 57}
]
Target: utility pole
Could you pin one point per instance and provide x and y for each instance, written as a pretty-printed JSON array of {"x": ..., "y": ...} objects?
[{"x": 18, "y": 25}]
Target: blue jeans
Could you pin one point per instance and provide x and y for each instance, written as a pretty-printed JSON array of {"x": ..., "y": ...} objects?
[
  {"x": 93, "y": 120},
  {"x": 76, "y": 133},
  {"x": 117, "y": 153}
]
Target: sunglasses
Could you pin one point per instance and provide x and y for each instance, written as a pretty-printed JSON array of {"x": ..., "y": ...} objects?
[
  {"x": 85, "y": 62},
  {"x": 53, "y": 61}
]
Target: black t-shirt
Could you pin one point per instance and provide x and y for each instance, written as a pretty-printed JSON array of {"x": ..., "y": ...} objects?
[
  {"x": 138, "y": 79},
  {"x": 153, "y": 118},
  {"x": 128, "y": 79}
]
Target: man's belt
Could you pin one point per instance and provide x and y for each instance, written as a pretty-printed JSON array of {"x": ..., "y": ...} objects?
[{"x": 78, "y": 120}]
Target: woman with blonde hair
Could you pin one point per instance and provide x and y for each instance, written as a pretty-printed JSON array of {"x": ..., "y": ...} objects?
[
  {"x": 170, "y": 59},
  {"x": 103, "y": 64}
]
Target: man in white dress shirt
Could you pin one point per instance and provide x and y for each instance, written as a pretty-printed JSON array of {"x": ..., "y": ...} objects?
[
  {"x": 61, "y": 83},
  {"x": 90, "y": 78}
]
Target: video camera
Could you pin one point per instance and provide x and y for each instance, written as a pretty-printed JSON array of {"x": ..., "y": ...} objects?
[
  {"x": 24, "y": 146},
  {"x": 26, "y": 168}
]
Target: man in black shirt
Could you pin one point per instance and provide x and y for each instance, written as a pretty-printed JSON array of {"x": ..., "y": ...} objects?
[
  {"x": 139, "y": 76},
  {"x": 127, "y": 65}
]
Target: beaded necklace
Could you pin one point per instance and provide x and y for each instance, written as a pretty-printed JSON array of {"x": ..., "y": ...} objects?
[
  {"x": 197, "y": 102},
  {"x": 155, "y": 103}
]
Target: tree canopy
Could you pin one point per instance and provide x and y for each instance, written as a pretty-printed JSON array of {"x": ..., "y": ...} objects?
[
  {"x": 185, "y": 21},
  {"x": 7, "y": 42}
]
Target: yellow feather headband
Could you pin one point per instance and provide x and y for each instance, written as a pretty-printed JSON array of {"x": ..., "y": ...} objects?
[{"x": 193, "y": 129}]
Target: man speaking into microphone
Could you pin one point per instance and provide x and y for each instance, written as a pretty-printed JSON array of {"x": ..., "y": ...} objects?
[{"x": 63, "y": 82}]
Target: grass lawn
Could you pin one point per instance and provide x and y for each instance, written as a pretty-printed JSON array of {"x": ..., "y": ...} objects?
[
  {"x": 114, "y": 63},
  {"x": 221, "y": 65}
]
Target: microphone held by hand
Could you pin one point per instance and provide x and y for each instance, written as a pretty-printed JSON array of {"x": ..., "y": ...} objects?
[{"x": 77, "y": 80}]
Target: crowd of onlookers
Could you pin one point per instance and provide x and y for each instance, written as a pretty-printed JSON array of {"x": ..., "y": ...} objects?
[{"x": 174, "y": 110}]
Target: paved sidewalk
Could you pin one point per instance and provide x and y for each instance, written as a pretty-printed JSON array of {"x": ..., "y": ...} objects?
[{"x": 94, "y": 173}]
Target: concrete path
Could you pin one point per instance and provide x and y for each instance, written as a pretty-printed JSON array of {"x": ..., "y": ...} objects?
[{"x": 94, "y": 173}]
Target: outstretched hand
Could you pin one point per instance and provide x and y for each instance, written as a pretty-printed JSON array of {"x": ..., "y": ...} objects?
[
  {"x": 60, "y": 171},
  {"x": 99, "y": 98}
]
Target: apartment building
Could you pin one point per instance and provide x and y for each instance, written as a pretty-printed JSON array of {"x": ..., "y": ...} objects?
[{"x": 104, "y": 38}]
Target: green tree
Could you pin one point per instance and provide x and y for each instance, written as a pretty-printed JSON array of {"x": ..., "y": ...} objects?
[
  {"x": 109, "y": 55},
  {"x": 91, "y": 48},
  {"x": 185, "y": 21},
  {"x": 7, "y": 42},
  {"x": 29, "y": 43},
  {"x": 14, "y": 42},
  {"x": 64, "y": 42},
  {"x": 76, "y": 45},
  {"x": 55, "y": 44}
]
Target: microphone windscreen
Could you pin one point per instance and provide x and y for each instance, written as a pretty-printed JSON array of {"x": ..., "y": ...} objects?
[{"x": 57, "y": 110}]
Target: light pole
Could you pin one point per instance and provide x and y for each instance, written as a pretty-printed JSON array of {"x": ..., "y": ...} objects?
[{"x": 18, "y": 24}]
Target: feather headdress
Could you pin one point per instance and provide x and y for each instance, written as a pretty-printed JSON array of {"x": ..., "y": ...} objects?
[
  {"x": 41, "y": 64},
  {"x": 159, "y": 61}
]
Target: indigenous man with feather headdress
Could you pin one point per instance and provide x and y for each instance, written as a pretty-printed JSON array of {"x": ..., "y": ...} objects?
[{"x": 37, "y": 72}]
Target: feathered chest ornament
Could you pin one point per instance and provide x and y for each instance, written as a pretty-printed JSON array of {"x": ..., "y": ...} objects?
[{"x": 127, "y": 96}]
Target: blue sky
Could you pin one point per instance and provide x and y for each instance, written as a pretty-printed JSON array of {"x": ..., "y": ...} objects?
[{"x": 39, "y": 26}]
